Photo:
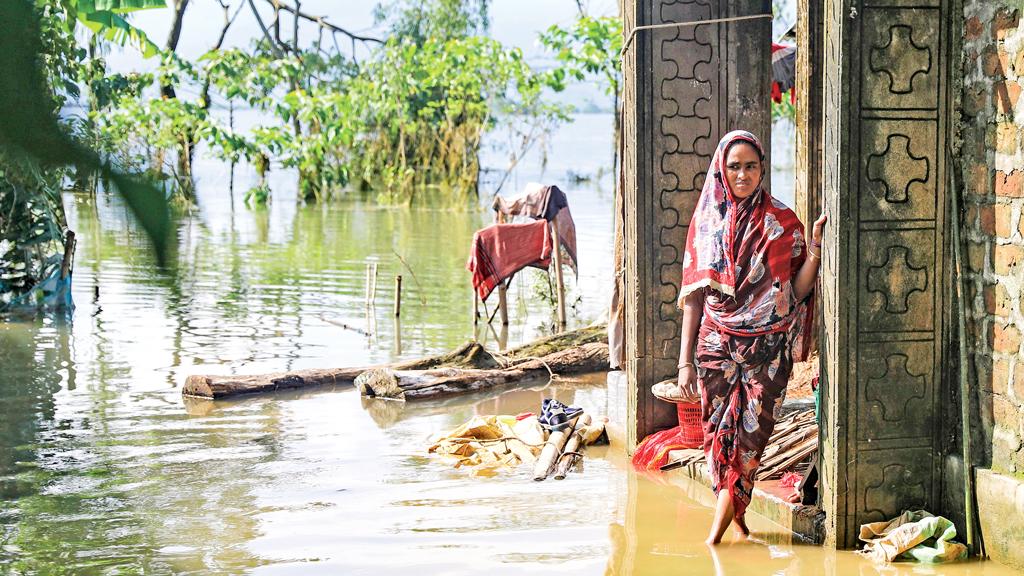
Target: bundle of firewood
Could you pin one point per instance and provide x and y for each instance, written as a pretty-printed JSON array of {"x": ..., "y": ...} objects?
[
  {"x": 792, "y": 447},
  {"x": 563, "y": 448}
]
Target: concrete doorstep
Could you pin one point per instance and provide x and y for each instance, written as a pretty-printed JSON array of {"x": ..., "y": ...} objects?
[{"x": 1001, "y": 515}]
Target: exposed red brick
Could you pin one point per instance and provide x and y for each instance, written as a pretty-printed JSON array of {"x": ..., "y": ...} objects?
[
  {"x": 1005, "y": 94},
  {"x": 1005, "y": 338},
  {"x": 997, "y": 300},
  {"x": 1006, "y": 137},
  {"x": 1009, "y": 185},
  {"x": 1006, "y": 258},
  {"x": 1018, "y": 380},
  {"x": 1004, "y": 411},
  {"x": 1003, "y": 303},
  {"x": 978, "y": 179},
  {"x": 1000, "y": 378},
  {"x": 1004, "y": 228},
  {"x": 973, "y": 28},
  {"x": 988, "y": 219},
  {"x": 1004, "y": 22}
]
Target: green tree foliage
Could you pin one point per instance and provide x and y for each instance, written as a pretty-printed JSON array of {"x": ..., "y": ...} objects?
[
  {"x": 590, "y": 49},
  {"x": 411, "y": 117}
]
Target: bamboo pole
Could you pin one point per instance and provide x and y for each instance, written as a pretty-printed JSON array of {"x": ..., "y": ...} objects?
[
  {"x": 569, "y": 457},
  {"x": 558, "y": 274},
  {"x": 503, "y": 303},
  {"x": 371, "y": 283},
  {"x": 476, "y": 307},
  {"x": 398, "y": 296},
  {"x": 965, "y": 397},
  {"x": 398, "y": 335},
  {"x": 552, "y": 449}
]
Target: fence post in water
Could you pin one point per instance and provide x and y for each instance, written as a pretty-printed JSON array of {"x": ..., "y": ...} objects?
[
  {"x": 558, "y": 274},
  {"x": 476, "y": 307},
  {"x": 398, "y": 296},
  {"x": 371, "y": 283},
  {"x": 398, "y": 336},
  {"x": 503, "y": 303}
]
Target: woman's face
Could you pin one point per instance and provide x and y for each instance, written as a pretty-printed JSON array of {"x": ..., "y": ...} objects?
[{"x": 742, "y": 169}]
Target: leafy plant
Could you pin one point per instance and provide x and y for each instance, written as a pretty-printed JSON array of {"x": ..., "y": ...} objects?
[
  {"x": 34, "y": 137},
  {"x": 589, "y": 48}
]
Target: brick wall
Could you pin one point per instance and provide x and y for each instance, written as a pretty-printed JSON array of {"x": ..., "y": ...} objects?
[{"x": 992, "y": 169}]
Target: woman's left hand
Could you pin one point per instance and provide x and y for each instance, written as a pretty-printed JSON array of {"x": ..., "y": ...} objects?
[{"x": 819, "y": 228}]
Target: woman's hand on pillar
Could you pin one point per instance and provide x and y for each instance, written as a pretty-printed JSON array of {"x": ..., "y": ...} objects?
[{"x": 818, "y": 231}]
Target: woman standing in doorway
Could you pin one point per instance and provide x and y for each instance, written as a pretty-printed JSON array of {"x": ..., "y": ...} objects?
[{"x": 747, "y": 307}]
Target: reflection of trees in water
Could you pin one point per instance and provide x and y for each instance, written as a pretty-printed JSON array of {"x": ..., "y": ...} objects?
[
  {"x": 33, "y": 358},
  {"x": 104, "y": 478}
]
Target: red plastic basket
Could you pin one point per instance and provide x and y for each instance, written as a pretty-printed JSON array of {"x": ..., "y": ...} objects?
[{"x": 689, "y": 423}]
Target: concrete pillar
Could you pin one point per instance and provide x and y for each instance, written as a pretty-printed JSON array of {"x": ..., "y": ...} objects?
[
  {"x": 884, "y": 280},
  {"x": 683, "y": 89}
]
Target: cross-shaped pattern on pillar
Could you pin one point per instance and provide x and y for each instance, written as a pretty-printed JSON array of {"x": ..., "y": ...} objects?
[
  {"x": 896, "y": 168},
  {"x": 895, "y": 388},
  {"x": 897, "y": 279},
  {"x": 901, "y": 59}
]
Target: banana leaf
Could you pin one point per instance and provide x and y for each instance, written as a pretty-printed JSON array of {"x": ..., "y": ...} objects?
[{"x": 30, "y": 127}]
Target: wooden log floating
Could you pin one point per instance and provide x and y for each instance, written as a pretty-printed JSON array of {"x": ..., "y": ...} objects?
[
  {"x": 440, "y": 382},
  {"x": 571, "y": 347},
  {"x": 214, "y": 387}
]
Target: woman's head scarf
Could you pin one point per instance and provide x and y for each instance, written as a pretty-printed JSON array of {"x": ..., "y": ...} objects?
[{"x": 733, "y": 242}]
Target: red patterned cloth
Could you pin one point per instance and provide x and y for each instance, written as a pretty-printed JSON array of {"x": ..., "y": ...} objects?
[
  {"x": 747, "y": 251},
  {"x": 549, "y": 203},
  {"x": 500, "y": 250},
  {"x": 744, "y": 254}
]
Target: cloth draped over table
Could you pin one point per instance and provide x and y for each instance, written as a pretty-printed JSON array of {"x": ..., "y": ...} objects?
[
  {"x": 500, "y": 250},
  {"x": 544, "y": 203}
]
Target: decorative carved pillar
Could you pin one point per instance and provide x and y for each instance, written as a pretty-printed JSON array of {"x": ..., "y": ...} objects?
[
  {"x": 886, "y": 85},
  {"x": 683, "y": 88}
]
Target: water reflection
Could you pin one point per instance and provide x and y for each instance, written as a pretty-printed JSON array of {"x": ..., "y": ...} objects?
[{"x": 104, "y": 468}]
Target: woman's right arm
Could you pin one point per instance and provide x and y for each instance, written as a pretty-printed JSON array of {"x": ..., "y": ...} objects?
[{"x": 693, "y": 311}]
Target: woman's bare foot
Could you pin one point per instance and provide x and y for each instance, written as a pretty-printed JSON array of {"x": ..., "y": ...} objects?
[{"x": 741, "y": 526}]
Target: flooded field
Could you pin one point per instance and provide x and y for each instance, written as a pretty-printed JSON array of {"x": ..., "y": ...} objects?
[{"x": 104, "y": 469}]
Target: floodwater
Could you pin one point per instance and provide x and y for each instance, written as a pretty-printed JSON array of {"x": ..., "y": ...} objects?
[{"x": 104, "y": 469}]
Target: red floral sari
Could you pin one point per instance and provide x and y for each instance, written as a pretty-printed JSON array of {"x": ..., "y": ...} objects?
[{"x": 743, "y": 254}]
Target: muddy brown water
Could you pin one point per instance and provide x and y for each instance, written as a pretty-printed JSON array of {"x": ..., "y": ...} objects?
[{"x": 105, "y": 470}]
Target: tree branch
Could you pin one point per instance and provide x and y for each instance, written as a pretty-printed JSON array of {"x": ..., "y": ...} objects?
[
  {"x": 229, "y": 19},
  {"x": 266, "y": 33},
  {"x": 323, "y": 23},
  {"x": 167, "y": 90}
]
